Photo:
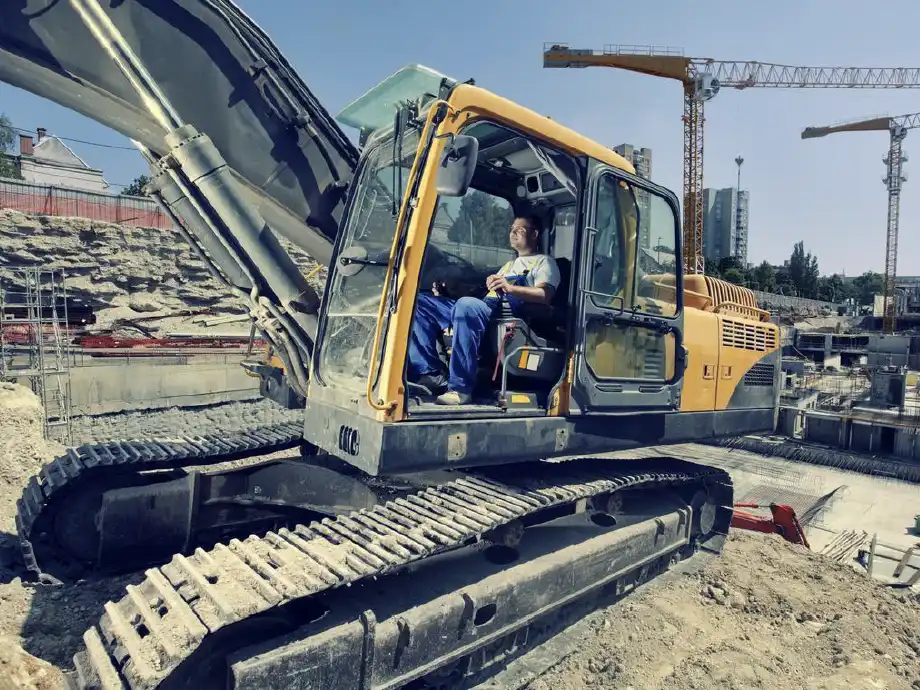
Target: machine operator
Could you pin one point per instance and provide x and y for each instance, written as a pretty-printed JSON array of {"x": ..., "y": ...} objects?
[{"x": 530, "y": 277}]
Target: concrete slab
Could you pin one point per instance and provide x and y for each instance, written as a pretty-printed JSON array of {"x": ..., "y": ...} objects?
[{"x": 852, "y": 501}]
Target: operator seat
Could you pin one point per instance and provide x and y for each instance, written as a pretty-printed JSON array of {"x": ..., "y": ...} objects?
[{"x": 532, "y": 345}]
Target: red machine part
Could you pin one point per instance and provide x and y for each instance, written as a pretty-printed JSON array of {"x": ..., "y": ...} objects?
[{"x": 783, "y": 522}]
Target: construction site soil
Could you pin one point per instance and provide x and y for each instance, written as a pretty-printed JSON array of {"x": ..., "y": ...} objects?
[
  {"x": 765, "y": 614},
  {"x": 136, "y": 281}
]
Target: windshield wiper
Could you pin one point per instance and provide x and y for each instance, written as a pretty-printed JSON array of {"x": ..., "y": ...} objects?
[
  {"x": 397, "y": 161},
  {"x": 554, "y": 170},
  {"x": 346, "y": 260}
]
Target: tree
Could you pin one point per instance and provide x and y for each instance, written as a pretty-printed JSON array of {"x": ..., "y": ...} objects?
[
  {"x": 481, "y": 221},
  {"x": 733, "y": 275},
  {"x": 8, "y": 167},
  {"x": 832, "y": 289},
  {"x": 866, "y": 286},
  {"x": 803, "y": 271},
  {"x": 136, "y": 188},
  {"x": 764, "y": 277}
]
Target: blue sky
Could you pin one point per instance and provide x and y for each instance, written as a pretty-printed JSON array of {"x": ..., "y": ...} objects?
[{"x": 827, "y": 192}]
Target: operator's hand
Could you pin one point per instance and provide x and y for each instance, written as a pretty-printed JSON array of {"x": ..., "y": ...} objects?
[{"x": 496, "y": 282}]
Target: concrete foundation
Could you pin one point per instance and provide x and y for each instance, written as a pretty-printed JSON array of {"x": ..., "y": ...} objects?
[
  {"x": 119, "y": 384},
  {"x": 877, "y": 434},
  {"x": 823, "y": 428}
]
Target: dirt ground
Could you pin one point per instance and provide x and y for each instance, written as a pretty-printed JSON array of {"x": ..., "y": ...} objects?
[{"x": 766, "y": 614}]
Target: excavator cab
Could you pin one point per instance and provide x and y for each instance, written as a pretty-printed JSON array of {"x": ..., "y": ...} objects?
[{"x": 441, "y": 177}]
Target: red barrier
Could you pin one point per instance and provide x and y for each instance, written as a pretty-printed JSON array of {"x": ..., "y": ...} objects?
[
  {"x": 21, "y": 334},
  {"x": 133, "y": 211}
]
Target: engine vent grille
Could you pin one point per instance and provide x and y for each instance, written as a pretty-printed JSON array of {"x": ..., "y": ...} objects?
[
  {"x": 761, "y": 374},
  {"x": 743, "y": 335}
]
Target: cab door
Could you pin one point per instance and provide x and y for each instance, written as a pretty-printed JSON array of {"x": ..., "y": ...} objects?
[{"x": 629, "y": 327}]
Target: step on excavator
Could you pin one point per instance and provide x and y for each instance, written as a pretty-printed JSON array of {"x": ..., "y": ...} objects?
[{"x": 408, "y": 543}]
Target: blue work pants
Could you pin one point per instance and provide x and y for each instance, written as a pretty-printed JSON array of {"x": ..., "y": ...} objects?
[{"x": 469, "y": 317}]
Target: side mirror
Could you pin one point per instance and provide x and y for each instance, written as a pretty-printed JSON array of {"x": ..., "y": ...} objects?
[{"x": 458, "y": 163}]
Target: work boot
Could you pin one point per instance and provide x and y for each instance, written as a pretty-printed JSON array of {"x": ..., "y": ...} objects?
[
  {"x": 454, "y": 398},
  {"x": 435, "y": 382}
]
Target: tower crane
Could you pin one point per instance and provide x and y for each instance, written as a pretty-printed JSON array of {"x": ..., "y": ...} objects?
[
  {"x": 702, "y": 79},
  {"x": 894, "y": 177}
]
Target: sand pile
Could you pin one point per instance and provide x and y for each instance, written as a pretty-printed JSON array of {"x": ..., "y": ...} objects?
[
  {"x": 20, "y": 671},
  {"x": 767, "y": 614},
  {"x": 23, "y": 449}
]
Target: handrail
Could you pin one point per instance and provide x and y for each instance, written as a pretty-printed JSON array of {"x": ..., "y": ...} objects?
[{"x": 762, "y": 314}]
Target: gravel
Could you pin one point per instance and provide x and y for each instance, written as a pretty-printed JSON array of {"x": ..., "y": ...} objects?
[
  {"x": 766, "y": 614},
  {"x": 214, "y": 419}
]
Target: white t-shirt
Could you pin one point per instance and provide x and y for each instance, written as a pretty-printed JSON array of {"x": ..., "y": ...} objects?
[{"x": 541, "y": 268}]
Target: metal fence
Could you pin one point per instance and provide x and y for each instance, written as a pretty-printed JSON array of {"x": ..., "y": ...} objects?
[
  {"x": 58, "y": 201},
  {"x": 771, "y": 300}
]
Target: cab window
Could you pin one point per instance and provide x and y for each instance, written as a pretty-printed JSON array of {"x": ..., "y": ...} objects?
[
  {"x": 474, "y": 229},
  {"x": 633, "y": 265}
]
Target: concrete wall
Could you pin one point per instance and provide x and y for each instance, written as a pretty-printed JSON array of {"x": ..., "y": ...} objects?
[
  {"x": 862, "y": 437},
  {"x": 859, "y": 435},
  {"x": 120, "y": 384},
  {"x": 823, "y": 428},
  {"x": 906, "y": 444},
  {"x": 789, "y": 422},
  {"x": 888, "y": 349}
]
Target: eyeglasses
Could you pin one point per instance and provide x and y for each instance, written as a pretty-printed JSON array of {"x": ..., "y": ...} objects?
[{"x": 518, "y": 230}]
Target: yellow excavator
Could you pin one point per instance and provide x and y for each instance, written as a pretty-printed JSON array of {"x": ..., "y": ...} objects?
[{"x": 410, "y": 543}]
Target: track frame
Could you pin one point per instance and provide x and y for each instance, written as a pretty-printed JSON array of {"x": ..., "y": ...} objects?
[{"x": 171, "y": 620}]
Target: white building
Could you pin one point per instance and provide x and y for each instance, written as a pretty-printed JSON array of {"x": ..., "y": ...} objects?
[{"x": 49, "y": 161}]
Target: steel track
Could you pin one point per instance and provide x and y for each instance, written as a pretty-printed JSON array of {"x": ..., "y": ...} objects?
[
  {"x": 45, "y": 557},
  {"x": 176, "y": 611}
]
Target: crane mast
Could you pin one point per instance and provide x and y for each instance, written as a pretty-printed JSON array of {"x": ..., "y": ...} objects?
[
  {"x": 702, "y": 78},
  {"x": 894, "y": 179}
]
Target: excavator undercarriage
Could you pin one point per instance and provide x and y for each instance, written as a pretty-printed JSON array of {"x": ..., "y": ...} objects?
[
  {"x": 644, "y": 515},
  {"x": 437, "y": 580}
]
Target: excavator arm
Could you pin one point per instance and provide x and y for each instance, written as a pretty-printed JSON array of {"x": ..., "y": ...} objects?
[
  {"x": 783, "y": 521},
  {"x": 240, "y": 151}
]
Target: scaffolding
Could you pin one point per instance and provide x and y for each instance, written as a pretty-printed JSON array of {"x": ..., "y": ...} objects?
[{"x": 34, "y": 343}]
